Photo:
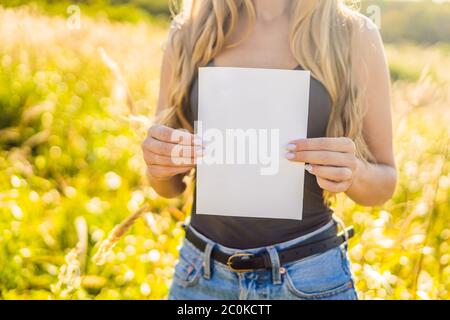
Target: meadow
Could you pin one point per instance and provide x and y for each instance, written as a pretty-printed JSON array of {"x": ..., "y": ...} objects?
[{"x": 71, "y": 168}]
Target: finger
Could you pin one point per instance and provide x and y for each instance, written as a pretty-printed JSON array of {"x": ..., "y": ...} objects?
[
  {"x": 169, "y": 149},
  {"x": 325, "y": 144},
  {"x": 175, "y": 136},
  {"x": 327, "y": 158},
  {"x": 336, "y": 174},
  {"x": 162, "y": 172},
  {"x": 333, "y": 187},
  {"x": 156, "y": 159}
]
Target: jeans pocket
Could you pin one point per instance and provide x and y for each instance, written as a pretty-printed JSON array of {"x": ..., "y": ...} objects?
[
  {"x": 323, "y": 276},
  {"x": 189, "y": 267}
]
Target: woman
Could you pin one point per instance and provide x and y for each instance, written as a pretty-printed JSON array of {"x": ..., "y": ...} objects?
[{"x": 349, "y": 146}]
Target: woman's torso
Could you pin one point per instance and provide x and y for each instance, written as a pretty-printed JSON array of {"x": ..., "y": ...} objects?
[{"x": 245, "y": 233}]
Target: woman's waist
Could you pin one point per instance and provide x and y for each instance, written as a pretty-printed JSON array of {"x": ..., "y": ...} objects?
[{"x": 255, "y": 233}]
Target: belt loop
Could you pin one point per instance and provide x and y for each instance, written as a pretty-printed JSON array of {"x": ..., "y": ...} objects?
[
  {"x": 344, "y": 229},
  {"x": 275, "y": 262},
  {"x": 207, "y": 261}
]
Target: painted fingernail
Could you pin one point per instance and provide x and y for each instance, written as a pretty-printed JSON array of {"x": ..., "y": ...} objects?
[
  {"x": 309, "y": 168},
  {"x": 291, "y": 147},
  {"x": 290, "y": 155}
]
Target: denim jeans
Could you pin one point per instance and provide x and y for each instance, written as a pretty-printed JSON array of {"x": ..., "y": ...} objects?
[{"x": 324, "y": 276}]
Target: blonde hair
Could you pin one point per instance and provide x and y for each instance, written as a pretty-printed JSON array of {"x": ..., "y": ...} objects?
[{"x": 321, "y": 41}]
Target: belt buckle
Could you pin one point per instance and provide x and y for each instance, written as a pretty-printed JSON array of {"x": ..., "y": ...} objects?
[{"x": 238, "y": 255}]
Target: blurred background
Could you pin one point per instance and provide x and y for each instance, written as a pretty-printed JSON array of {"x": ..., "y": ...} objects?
[{"x": 71, "y": 166}]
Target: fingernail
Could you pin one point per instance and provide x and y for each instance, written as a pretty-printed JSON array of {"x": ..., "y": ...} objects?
[
  {"x": 309, "y": 168},
  {"x": 290, "y": 155},
  {"x": 291, "y": 147}
]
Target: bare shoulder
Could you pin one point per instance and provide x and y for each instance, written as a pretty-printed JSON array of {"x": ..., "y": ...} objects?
[
  {"x": 369, "y": 57},
  {"x": 366, "y": 37},
  {"x": 170, "y": 43},
  {"x": 167, "y": 68}
]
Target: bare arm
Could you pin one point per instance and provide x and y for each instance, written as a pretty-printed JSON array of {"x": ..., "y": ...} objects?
[
  {"x": 374, "y": 183},
  {"x": 165, "y": 176},
  {"x": 333, "y": 160}
]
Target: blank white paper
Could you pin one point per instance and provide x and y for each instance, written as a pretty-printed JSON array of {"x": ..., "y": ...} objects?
[{"x": 262, "y": 100}]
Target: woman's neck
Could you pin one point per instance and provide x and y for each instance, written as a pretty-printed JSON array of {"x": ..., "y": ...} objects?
[{"x": 270, "y": 10}]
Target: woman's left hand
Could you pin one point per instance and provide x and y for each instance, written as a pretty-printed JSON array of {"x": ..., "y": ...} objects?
[{"x": 332, "y": 160}]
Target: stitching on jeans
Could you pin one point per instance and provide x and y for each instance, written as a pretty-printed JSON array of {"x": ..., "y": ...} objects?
[
  {"x": 345, "y": 262},
  {"x": 185, "y": 282},
  {"x": 328, "y": 293},
  {"x": 349, "y": 284}
]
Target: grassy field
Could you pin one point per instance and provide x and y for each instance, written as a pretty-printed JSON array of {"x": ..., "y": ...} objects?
[{"x": 71, "y": 169}]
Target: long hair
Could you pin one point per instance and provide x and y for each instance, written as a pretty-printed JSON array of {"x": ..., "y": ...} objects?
[{"x": 320, "y": 39}]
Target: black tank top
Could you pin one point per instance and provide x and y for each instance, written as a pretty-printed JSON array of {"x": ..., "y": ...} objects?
[{"x": 246, "y": 233}]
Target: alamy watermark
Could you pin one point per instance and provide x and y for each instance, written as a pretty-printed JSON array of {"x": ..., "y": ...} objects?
[
  {"x": 74, "y": 20},
  {"x": 235, "y": 146}
]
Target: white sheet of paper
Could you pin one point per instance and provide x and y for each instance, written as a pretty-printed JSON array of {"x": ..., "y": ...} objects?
[{"x": 259, "y": 100}]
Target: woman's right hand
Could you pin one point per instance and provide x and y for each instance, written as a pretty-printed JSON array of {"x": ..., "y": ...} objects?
[{"x": 169, "y": 152}]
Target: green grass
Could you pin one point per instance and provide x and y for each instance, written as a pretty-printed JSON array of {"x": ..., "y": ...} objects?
[
  {"x": 121, "y": 11},
  {"x": 68, "y": 150}
]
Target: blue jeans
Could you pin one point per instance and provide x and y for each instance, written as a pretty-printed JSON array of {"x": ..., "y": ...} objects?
[{"x": 324, "y": 276}]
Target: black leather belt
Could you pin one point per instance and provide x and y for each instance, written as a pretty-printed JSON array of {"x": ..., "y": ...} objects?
[{"x": 245, "y": 262}]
